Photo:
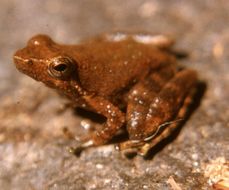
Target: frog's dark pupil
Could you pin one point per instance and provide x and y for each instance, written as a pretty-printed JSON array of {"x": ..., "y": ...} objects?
[{"x": 60, "y": 67}]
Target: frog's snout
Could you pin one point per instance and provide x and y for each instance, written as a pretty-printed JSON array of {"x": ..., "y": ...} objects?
[
  {"x": 20, "y": 62},
  {"x": 23, "y": 65}
]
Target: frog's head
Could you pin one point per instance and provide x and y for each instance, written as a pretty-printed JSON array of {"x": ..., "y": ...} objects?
[{"x": 45, "y": 61}]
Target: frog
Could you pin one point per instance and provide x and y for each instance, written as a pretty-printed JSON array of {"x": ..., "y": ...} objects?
[{"x": 133, "y": 80}]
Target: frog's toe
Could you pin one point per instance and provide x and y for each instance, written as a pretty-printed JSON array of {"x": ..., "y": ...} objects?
[
  {"x": 143, "y": 151},
  {"x": 80, "y": 147}
]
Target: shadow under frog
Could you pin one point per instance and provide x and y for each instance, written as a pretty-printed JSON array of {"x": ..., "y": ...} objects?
[{"x": 132, "y": 80}]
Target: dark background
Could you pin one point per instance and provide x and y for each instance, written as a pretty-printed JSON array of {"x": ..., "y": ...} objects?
[{"x": 33, "y": 151}]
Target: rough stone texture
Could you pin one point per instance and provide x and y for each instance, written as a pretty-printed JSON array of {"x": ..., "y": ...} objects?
[{"x": 33, "y": 151}]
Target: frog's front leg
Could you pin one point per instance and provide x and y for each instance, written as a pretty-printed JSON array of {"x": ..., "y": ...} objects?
[{"x": 115, "y": 120}]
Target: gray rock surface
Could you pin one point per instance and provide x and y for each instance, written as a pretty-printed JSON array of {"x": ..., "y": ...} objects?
[{"x": 33, "y": 151}]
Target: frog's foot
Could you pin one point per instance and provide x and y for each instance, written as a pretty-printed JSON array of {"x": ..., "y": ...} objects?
[
  {"x": 80, "y": 147},
  {"x": 142, "y": 147},
  {"x": 129, "y": 147},
  {"x": 151, "y": 142},
  {"x": 130, "y": 144}
]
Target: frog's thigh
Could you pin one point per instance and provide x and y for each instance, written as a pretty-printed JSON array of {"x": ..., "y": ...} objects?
[{"x": 140, "y": 98}]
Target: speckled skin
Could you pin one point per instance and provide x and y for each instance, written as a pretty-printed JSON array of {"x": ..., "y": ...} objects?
[{"x": 129, "y": 79}]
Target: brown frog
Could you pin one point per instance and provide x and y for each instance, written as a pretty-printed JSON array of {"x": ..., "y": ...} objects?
[{"x": 131, "y": 79}]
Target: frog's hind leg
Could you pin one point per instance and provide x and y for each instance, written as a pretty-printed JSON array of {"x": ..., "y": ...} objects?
[
  {"x": 139, "y": 100},
  {"x": 163, "y": 108},
  {"x": 169, "y": 127}
]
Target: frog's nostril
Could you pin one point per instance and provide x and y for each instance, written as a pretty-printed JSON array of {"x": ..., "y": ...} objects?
[{"x": 29, "y": 62}]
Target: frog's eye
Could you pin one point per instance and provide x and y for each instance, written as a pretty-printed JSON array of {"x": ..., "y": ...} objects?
[{"x": 61, "y": 67}]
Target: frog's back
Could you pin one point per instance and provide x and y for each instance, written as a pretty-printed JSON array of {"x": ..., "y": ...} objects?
[{"x": 109, "y": 67}]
